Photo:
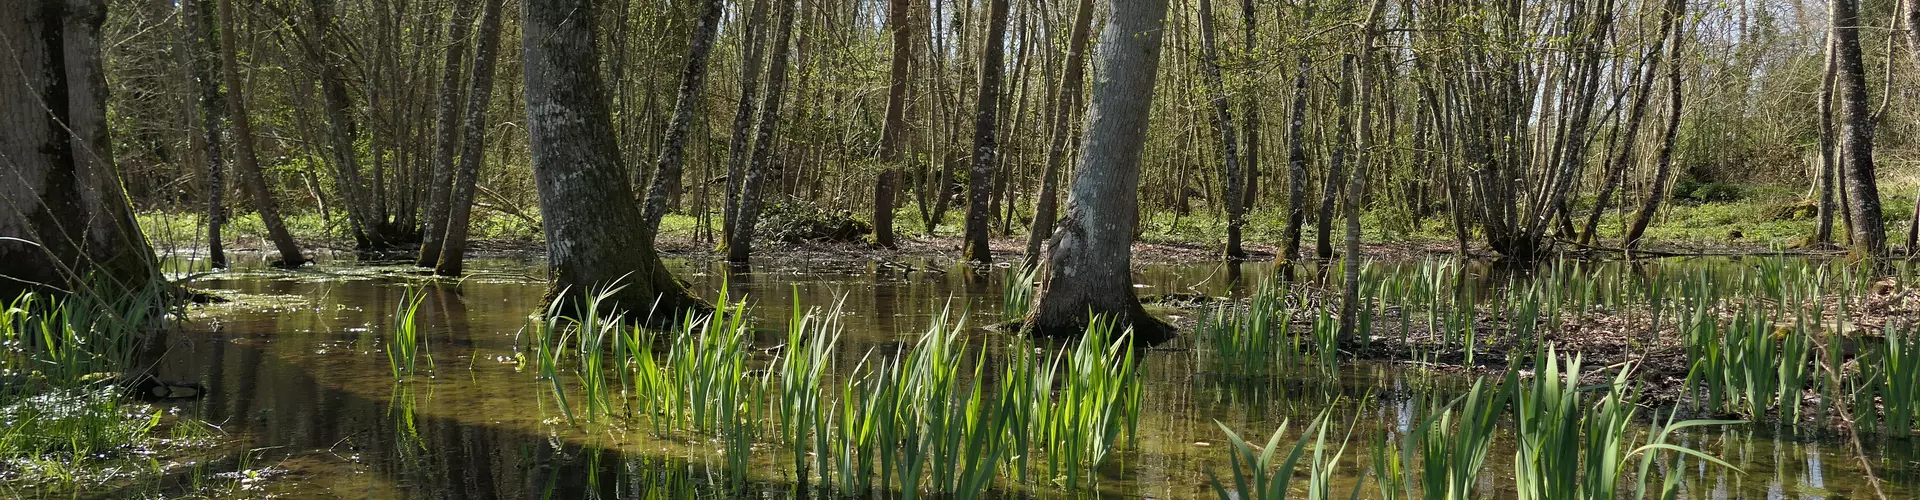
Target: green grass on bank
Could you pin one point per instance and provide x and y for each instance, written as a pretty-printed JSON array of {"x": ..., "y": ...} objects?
[{"x": 1757, "y": 216}]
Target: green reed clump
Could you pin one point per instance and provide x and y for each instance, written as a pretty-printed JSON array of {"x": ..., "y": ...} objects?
[
  {"x": 1570, "y": 446},
  {"x": 404, "y": 346},
  {"x": 1017, "y": 297},
  {"x": 1249, "y": 342},
  {"x": 1099, "y": 400},
  {"x": 803, "y": 363},
  {"x": 1454, "y": 442}
]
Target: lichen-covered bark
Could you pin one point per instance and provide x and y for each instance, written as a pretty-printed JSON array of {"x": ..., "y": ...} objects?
[
  {"x": 453, "y": 248},
  {"x": 740, "y": 245},
  {"x": 1089, "y": 267},
  {"x": 1856, "y": 134},
  {"x": 63, "y": 213},
  {"x": 593, "y": 229},
  {"x": 1663, "y": 165},
  {"x": 693, "y": 78},
  {"x": 740, "y": 146},
  {"x": 985, "y": 144}
]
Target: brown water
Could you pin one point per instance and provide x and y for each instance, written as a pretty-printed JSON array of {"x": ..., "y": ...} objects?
[{"x": 297, "y": 373}]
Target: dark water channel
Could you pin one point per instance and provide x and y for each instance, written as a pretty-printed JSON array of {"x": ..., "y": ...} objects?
[{"x": 297, "y": 372}]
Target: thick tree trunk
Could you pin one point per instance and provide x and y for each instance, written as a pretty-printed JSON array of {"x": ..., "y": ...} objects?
[
  {"x": 440, "y": 183},
  {"x": 985, "y": 144},
  {"x": 65, "y": 224},
  {"x": 1663, "y": 166},
  {"x": 741, "y": 246},
  {"x": 593, "y": 229},
  {"x": 673, "y": 147},
  {"x": 1856, "y": 135},
  {"x": 245, "y": 162},
  {"x": 1066, "y": 103},
  {"x": 1088, "y": 268},
  {"x": 893, "y": 136},
  {"x": 1234, "y": 203},
  {"x": 199, "y": 17},
  {"x": 740, "y": 146},
  {"x": 453, "y": 251}
]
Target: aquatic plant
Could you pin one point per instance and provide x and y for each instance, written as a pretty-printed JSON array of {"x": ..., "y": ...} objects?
[
  {"x": 404, "y": 347},
  {"x": 1017, "y": 297}
]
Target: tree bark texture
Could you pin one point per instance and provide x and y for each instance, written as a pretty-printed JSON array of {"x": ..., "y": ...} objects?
[
  {"x": 440, "y": 181},
  {"x": 199, "y": 17},
  {"x": 1089, "y": 267},
  {"x": 453, "y": 251},
  {"x": 673, "y": 147},
  {"x": 593, "y": 228},
  {"x": 1297, "y": 161},
  {"x": 740, "y": 146},
  {"x": 246, "y": 162},
  {"x": 1856, "y": 135},
  {"x": 1663, "y": 164},
  {"x": 1223, "y": 123},
  {"x": 64, "y": 217},
  {"x": 741, "y": 246},
  {"x": 1066, "y": 104},
  {"x": 985, "y": 144},
  {"x": 1628, "y": 135},
  {"x": 893, "y": 134}
]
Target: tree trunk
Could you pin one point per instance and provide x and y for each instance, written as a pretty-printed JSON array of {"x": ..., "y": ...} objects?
[
  {"x": 1066, "y": 103},
  {"x": 1663, "y": 166},
  {"x": 1331, "y": 185},
  {"x": 739, "y": 147},
  {"x": 985, "y": 145},
  {"x": 65, "y": 224},
  {"x": 1088, "y": 268},
  {"x": 245, "y": 162},
  {"x": 1829, "y": 162},
  {"x": 199, "y": 16},
  {"x": 1297, "y": 158},
  {"x": 893, "y": 136},
  {"x": 341, "y": 153},
  {"x": 593, "y": 229},
  {"x": 1233, "y": 202},
  {"x": 1361, "y": 115},
  {"x": 1628, "y": 135},
  {"x": 749, "y": 210},
  {"x": 440, "y": 186},
  {"x": 1251, "y": 165},
  {"x": 453, "y": 251},
  {"x": 1856, "y": 135},
  {"x": 693, "y": 79},
  {"x": 1913, "y": 50}
]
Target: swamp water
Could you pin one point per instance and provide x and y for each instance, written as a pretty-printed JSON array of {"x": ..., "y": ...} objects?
[{"x": 297, "y": 373}]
